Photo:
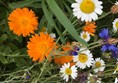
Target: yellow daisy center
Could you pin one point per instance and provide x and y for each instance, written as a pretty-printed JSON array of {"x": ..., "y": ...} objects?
[
  {"x": 82, "y": 58},
  {"x": 98, "y": 64},
  {"x": 24, "y": 22},
  {"x": 117, "y": 24},
  {"x": 84, "y": 36},
  {"x": 68, "y": 71},
  {"x": 87, "y": 6}
]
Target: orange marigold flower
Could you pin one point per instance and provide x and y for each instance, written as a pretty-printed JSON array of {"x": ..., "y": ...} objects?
[
  {"x": 90, "y": 28},
  {"x": 40, "y": 47},
  {"x": 22, "y": 21},
  {"x": 66, "y": 47},
  {"x": 63, "y": 59}
]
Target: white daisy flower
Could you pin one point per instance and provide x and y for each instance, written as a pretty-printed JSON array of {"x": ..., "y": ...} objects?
[
  {"x": 85, "y": 36},
  {"x": 116, "y": 3},
  {"x": 84, "y": 59},
  {"x": 116, "y": 80},
  {"x": 52, "y": 35},
  {"x": 67, "y": 71},
  {"x": 115, "y": 25},
  {"x": 87, "y": 9},
  {"x": 93, "y": 79},
  {"x": 99, "y": 65},
  {"x": 116, "y": 68}
]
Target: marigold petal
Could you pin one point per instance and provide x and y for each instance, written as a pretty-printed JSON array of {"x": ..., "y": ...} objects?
[
  {"x": 39, "y": 48},
  {"x": 22, "y": 21}
]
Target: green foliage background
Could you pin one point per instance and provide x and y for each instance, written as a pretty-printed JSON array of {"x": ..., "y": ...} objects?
[{"x": 56, "y": 15}]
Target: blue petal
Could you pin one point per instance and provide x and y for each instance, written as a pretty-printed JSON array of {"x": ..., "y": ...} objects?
[
  {"x": 115, "y": 53},
  {"x": 104, "y": 34},
  {"x": 108, "y": 47},
  {"x": 104, "y": 48}
]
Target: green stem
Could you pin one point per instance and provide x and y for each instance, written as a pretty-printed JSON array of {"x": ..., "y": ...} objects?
[
  {"x": 42, "y": 70},
  {"x": 51, "y": 77},
  {"x": 94, "y": 43},
  {"x": 60, "y": 37}
]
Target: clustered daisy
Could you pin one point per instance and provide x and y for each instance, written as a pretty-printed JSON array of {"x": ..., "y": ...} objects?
[
  {"x": 67, "y": 71},
  {"x": 85, "y": 36},
  {"x": 87, "y": 10},
  {"x": 98, "y": 65},
  {"x": 83, "y": 59},
  {"x": 115, "y": 25}
]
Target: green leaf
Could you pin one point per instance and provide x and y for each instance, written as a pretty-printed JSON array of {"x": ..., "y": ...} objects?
[
  {"x": 23, "y": 4},
  {"x": 13, "y": 46},
  {"x": 3, "y": 59},
  {"x": 20, "y": 61},
  {"x": 64, "y": 21},
  {"x": 50, "y": 20},
  {"x": 3, "y": 37},
  {"x": 2, "y": 22}
]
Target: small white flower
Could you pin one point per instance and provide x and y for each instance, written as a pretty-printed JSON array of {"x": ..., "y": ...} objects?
[
  {"x": 87, "y": 9},
  {"x": 67, "y": 71},
  {"x": 85, "y": 36},
  {"x": 93, "y": 79},
  {"x": 116, "y": 80},
  {"x": 84, "y": 59},
  {"x": 116, "y": 3},
  {"x": 115, "y": 25},
  {"x": 52, "y": 35},
  {"x": 99, "y": 65}
]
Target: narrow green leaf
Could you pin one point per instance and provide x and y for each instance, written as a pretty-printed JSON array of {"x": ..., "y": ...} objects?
[
  {"x": 23, "y": 4},
  {"x": 50, "y": 20},
  {"x": 64, "y": 21},
  {"x": 41, "y": 24},
  {"x": 3, "y": 37},
  {"x": 3, "y": 59}
]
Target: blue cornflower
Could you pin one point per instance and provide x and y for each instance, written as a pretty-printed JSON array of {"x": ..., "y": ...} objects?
[
  {"x": 115, "y": 53},
  {"x": 74, "y": 53},
  {"x": 110, "y": 47},
  {"x": 76, "y": 48},
  {"x": 104, "y": 34}
]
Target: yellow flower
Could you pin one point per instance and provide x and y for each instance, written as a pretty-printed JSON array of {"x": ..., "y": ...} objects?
[
  {"x": 40, "y": 47},
  {"x": 22, "y": 21}
]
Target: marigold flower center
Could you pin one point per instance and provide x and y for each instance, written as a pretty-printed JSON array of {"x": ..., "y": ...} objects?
[
  {"x": 98, "y": 64},
  {"x": 84, "y": 36},
  {"x": 117, "y": 24},
  {"x": 87, "y": 6},
  {"x": 68, "y": 71},
  {"x": 43, "y": 47},
  {"x": 82, "y": 58},
  {"x": 24, "y": 22}
]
